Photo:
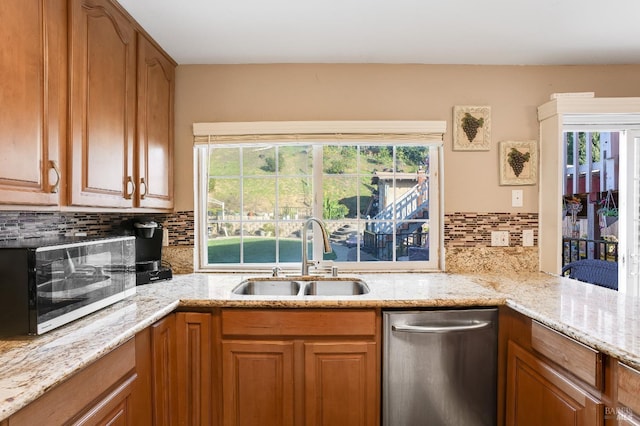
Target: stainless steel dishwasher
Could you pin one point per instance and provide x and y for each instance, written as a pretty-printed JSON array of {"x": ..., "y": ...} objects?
[{"x": 439, "y": 367}]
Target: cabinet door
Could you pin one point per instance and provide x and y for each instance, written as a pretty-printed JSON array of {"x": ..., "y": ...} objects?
[
  {"x": 257, "y": 383},
  {"x": 102, "y": 104},
  {"x": 156, "y": 76},
  {"x": 537, "y": 394},
  {"x": 193, "y": 338},
  {"x": 164, "y": 371},
  {"x": 341, "y": 384},
  {"x": 628, "y": 410},
  {"x": 32, "y": 99}
]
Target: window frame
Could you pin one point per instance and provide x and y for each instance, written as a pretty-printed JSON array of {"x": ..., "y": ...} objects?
[{"x": 428, "y": 133}]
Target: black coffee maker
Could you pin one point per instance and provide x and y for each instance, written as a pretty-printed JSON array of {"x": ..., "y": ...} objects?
[{"x": 149, "y": 235}]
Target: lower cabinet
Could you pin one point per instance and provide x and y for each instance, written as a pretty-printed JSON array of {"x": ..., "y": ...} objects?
[
  {"x": 538, "y": 394},
  {"x": 549, "y": 378},
  {"x": 100, "y": 394},
  {"x": 174, "y": 362},
  {"x": 164, "y": 369},
  {"x": 628, "y": 389},
  {"x": 340, "y": 383},
  {"x": 194, "y": 363},
  {"x": 313, "y": 367},
  {"x": 300, "y": 367},
  {"x": 258, "y": 383}
]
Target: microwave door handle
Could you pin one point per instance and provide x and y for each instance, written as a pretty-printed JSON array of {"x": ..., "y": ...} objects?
[
  {"x": 69, "y": 266},
  {"x": 442, "y": 328}
]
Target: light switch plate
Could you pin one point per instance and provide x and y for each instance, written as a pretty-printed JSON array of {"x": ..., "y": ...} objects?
[
  {"x": 499, "y": 238},
  {"x": 516, "y": 198},
  {"x": 527, "y": 238}
]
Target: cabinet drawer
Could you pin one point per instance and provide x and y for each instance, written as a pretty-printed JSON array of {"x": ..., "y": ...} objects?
[
  {"x": 629, "y": 387},
  {"x": 74, "y": 396},
  {"x": 578, "y": 359},
  {"x": 283, "y": 322}
]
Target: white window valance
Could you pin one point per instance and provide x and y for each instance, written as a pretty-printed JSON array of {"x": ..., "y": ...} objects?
[{"x": 431, "y": 132}]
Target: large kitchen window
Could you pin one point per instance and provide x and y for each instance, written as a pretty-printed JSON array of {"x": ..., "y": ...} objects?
[{"x": 375, "y": 186}]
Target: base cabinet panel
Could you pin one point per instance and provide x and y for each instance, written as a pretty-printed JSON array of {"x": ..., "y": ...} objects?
[
  {"x": 113, "y": 410},
  {"x": 257, "y": 379},
  {"x": 164, "y": 371},
  {"x": 537, "y": 394},
  {"x": 300, "y": 367},
  {"x": 340, "y": 383},
  {"x": 194, "y": 364},
  {"x": 99, "y": 394}
]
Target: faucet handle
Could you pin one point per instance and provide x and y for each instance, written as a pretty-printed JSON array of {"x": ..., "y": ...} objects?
[{"x": 275, "y": 272}]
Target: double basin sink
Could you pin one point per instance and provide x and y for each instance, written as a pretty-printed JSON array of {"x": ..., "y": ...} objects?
[{"x": 302, "y": 286}]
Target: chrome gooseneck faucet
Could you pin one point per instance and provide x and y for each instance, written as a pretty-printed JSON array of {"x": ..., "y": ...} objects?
[{"x": 325, "y": 239}]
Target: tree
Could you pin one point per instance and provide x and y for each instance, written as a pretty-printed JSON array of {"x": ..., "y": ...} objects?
[
  {"x": 332, "y": 209},
  {"x": 270, "y": 165},
  {"x": 582, "y": 147}
]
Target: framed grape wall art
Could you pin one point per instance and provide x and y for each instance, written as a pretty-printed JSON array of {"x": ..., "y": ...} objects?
[
  {"x": 471, "y": 128},
  {"x": 518, "y": 162}
]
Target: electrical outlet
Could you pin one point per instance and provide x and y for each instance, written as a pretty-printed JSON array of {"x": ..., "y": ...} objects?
[
  {"x": 499, "y": 238},
  {"x": 516, "y": 198},
  {"x": 165, "y": 237},
  {"x": 527, "y": 238}
]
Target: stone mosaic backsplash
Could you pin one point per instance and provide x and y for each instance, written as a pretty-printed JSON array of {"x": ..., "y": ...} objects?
[
  {"x": 474, "y": 229},
  {"x": 467, "y": 236},
  {"x": 460, "y": 229},
  {"x": 17, "y": 224}
]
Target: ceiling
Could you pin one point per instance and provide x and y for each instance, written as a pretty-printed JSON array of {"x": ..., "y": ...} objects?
[{"x": 496, "y": 32}]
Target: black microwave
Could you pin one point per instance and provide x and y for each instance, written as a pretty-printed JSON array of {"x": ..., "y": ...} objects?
[{"x": 48, "y": 282}]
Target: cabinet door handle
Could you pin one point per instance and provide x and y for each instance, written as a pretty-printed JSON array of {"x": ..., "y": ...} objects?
[
  {"x": 143, "y": 193},
  {"x": 442, "y": 328},
  {"x": 130, "y": 184},
  {"x": 56, "y": 186}
]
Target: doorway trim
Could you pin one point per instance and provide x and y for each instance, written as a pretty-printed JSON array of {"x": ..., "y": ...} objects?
[{"x": 555, "y": 117}]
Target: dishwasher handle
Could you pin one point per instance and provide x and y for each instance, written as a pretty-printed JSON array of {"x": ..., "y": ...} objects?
[{"x": 441, "y": 328}]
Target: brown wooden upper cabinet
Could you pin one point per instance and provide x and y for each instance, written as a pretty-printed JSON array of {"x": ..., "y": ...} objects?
[
  {"x": 87, "y": 103},
  {"x": 33, "y": 88},
  {"x": 156, "y": 76},
  {"x": 121, "y": 84},
  {"x": 102, "y": 105}
]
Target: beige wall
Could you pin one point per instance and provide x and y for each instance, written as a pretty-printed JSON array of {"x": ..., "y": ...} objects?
[{"x": 391, "y": 92}]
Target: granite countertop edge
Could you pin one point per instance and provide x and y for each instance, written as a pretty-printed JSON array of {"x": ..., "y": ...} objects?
[{"x": 31, "y": 365}]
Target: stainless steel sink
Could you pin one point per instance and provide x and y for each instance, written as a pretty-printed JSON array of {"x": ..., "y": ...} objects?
[
  {"x": 254, "y": 287},
  {"x": 302, "y": 285},
  {"x": 336, "y": 287}
]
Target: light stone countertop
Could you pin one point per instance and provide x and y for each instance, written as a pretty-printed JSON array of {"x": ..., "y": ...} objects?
[{"x": 597, "y": 317}]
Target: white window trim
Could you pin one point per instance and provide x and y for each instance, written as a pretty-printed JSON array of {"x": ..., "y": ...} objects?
[
  {"x": 363, "y": 130},
  {"x": 427, "y": 132}
]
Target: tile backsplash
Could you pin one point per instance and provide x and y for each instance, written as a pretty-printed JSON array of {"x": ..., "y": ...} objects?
[
  {"x": 474, "y": 229},
  {"x": 460, "y": 229},
  {"x": 28, "y": 224},
  {"x": 467, "y": 236}
]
